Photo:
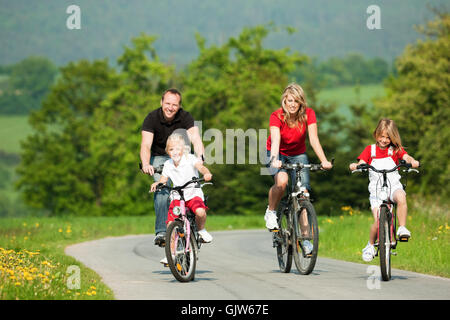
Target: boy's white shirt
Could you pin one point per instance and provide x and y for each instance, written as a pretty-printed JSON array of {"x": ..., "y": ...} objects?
[{"x": 181, "y": 174}]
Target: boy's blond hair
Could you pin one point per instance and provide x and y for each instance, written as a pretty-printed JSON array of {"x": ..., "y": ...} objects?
[
  {"x": 179, "y": 139},
  {"x": 391, "y": 129}
]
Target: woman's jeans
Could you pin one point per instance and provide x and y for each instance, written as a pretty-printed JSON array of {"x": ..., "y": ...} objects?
[
  {"x": 304, "y": 173},
  {"x": 161, "y": 198}
]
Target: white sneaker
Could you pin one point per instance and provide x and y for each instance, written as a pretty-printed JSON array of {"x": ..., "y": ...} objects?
[
  {"x": 206, "y": 237},
  {"x": 368, "y": 253},
  {"x": 402, "y": 232},
  {"x": 164, "y": 261},
  {"x": 271, "y": 219},
  {"x": 307, "y": 245}
]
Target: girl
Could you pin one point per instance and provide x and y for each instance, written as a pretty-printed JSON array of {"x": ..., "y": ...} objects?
[
  {"x": 180, "y": 168},
  {"x": 385, "y": 154}
]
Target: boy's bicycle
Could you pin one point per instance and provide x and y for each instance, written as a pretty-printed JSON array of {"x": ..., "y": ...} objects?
[
  {"x": 387, "y": 221},
  {"x": 298, "y": 233},
  {"x": 182, "y": 239}
]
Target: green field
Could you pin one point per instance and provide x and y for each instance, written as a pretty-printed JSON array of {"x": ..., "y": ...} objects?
[{"x": 13, "y": 129}]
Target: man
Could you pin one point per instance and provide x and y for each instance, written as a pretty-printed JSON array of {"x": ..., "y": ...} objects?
[{"x": 157, "y": 127}]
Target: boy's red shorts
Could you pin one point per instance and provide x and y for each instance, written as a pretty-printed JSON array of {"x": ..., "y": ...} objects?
[{"x": 192, "y": 204}]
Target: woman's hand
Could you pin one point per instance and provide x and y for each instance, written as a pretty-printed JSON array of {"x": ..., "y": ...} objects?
[
  {"x": 276, "y": 164},
  {"x": 327, "y": 165},
  {"x": 207, "y": 177}
]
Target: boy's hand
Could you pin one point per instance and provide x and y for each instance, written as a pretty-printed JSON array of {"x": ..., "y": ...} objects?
[
  {"x": 353, "y": 166},
  {"x": 153, "y": 186},
  {"x": 207, "y": 177}
]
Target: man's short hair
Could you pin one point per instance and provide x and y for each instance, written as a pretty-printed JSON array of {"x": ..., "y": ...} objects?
[{"x": 173, "y": 91}]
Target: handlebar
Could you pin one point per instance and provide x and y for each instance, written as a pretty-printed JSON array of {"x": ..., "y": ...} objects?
[
  {"x": 365, "y": 167},
  {"x": 298, "y": 166},
  {"x": 161, "y": 186}
]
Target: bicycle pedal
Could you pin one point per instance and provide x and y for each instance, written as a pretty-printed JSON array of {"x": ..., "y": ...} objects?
[
  {"x": 274, "y": 230},
  {"x": 404, "y": 239},
  {"x": 166, "y": 265}
]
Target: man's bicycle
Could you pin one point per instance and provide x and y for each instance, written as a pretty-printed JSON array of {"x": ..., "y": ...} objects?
[
  {"x": 298, "y": 233},
  {"x": 387, "y": 219},
  {"x": 182, "y": 239}
]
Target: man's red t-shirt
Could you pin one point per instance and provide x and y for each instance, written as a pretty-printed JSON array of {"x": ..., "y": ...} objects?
[
  {"x": 292, "y": 142},
  {"x": 380, "y": 153}
]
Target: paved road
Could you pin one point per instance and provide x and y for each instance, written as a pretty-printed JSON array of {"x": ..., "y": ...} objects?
[{"x": 242, "y": 265}]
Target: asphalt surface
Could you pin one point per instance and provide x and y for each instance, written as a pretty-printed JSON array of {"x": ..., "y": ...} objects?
[{"x": 242, "y": 265}]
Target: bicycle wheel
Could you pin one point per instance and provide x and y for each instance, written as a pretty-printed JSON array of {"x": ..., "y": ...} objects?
[
  {"x": 182, "y": 261},
  {"x": 306, "y": 237},
  {"x": 283, "y": 240},
  {"x": 385, "y": 243}
]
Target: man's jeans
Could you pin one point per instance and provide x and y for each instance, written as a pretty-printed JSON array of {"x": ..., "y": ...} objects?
[{"x": 161, "y": 197}]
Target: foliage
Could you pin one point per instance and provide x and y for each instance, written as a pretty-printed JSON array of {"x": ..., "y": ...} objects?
[
  {"x": 419, "y": 100},
  {"x": 56, "y": 166},
  {"x": 352, "y": 69},
  {"x": 27, "y": 84},
  {"x": 238, "y": 85}
]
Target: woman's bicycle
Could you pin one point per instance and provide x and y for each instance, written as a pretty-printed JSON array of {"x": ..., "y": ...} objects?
[
  {"x": 387, "y": 222},
  {"x": 182, "y": 239},
  {"x": 298, "y": 233}
]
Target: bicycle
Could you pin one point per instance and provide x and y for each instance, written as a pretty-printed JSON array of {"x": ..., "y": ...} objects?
[
  {"x": 298, "y": 227},
  {"x": 182, "y": 239},
  {"x": 387, "y": 222}
]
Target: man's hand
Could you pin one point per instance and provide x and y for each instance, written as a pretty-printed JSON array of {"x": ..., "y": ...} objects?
[{"x": 148, "y": 169}]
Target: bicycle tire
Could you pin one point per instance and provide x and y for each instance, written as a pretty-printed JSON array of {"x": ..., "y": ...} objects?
[
  {"x": 283, "y": 236},
  {"x": 182, "y": 263},
  {"x": 385, "y": 243},
  {"x": 305, "y": 263}
]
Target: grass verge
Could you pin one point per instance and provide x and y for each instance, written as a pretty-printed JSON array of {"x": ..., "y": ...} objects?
[{"x": 33, "y": 264}]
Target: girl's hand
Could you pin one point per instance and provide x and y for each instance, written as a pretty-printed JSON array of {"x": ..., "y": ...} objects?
[
  {"x": 415, "y": 164},
  {"x": 207, "y": 177},
  {"x": 353, "y": 166},
  {"x": 326, "y": 165}
]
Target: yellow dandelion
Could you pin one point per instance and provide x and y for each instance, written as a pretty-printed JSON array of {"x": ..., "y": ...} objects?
[
  {"x": 17, "y": 284},
  {"x": 36, "y": 225},
  {"x": 60, "y": 230}
]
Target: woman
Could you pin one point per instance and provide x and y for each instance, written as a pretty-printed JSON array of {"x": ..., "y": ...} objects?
[{"x": 286, "y": 144}]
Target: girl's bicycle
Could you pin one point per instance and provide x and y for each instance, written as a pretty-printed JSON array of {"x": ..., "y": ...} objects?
[
  {"x": 182, "y": 239},
  {"x": 298, "y": 233},
  {"x": 387, "y": 221}
]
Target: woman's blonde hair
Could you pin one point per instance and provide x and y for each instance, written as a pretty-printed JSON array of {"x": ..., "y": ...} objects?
[
  {"x": 178, "y": 139},
  {"x": 391, "y": 129},
  {"x": 298, "y": 94}
]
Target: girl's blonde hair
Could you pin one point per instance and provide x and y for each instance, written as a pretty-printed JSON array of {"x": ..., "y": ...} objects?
[
  {"x": 178, "y": 139},
  {"x": 391, "y": 129},
  {"x": 299, "y": 95}
]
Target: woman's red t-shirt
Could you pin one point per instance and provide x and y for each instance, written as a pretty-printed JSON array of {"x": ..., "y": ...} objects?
[{"x": 292, "y": 142}]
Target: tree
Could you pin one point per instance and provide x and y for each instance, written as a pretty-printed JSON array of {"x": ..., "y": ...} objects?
[
  {"x": 56, "y": 171},
  {"x": 28, "y": 83},
  {"x": 237, "y": 86},
  {"x": 419, "y": 100}
]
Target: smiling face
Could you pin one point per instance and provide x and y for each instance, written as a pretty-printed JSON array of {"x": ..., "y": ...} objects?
[
  {"x": 170, "y": 105},
  {"x": 291, "y": 104},
  {"x": 383, "y": 140},
  {"x": 175, "y": 150}
]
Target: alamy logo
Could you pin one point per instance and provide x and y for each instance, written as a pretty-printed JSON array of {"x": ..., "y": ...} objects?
[
  {"x": 74, "y": 20},
  {"x": 373, "y": 22}
]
